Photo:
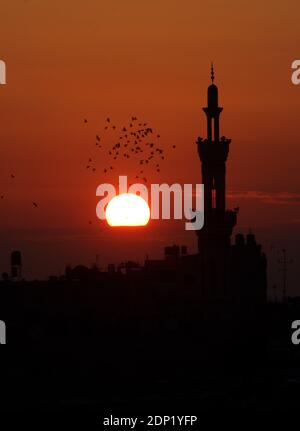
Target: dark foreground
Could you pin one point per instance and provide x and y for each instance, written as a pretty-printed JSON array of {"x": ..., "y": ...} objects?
[{"x": 79, "y": 352}]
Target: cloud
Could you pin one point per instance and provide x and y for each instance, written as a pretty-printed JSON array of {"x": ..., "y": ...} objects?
[{"x": 272, "y": 198}]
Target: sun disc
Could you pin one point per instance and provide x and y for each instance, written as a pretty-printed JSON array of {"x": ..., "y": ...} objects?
[{"x": 127, "y": 209}]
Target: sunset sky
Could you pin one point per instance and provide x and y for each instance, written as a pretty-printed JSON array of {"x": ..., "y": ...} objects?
[{"x": 70, "y": 60}]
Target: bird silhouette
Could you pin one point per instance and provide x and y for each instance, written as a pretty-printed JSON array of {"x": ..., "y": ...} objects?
[{"x": 35, "y": 204}]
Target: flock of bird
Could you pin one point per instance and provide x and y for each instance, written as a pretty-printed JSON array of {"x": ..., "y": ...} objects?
[{"x": 133, "y": 141}]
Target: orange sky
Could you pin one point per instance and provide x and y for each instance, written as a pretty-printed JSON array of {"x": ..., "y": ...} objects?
[{"x": 67, "y": 60}]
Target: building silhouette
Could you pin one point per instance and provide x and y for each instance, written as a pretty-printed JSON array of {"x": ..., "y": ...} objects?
[{"x": 230, "y": 273}]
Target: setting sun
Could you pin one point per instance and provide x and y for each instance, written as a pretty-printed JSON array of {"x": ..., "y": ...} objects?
[{"x": 127, "y": 209}]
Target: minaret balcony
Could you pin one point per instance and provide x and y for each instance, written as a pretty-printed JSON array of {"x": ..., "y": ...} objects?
[{"x": 213, "y": 150}]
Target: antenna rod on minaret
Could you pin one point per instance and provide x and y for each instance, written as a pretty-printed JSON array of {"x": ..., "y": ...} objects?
[{"x": 212, "y": 74}]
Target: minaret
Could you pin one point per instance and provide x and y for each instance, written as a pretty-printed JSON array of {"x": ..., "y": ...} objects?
[
  {"x": 214, "y": 237},
  {"x": 213, "y": 153}
]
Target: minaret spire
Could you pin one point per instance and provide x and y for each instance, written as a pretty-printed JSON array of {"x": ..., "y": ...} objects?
[
  {"x": 213, "y": 110},
  {"x": 212, "y": 73}
]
